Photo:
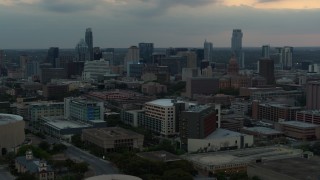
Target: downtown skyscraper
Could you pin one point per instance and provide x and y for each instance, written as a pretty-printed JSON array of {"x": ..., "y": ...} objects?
[
  {"x": 89, "y": 41},
  {"x": 208, "y": 51},
  {"x": 236, "y": 46},
  {"x": 145, "y": 51}
]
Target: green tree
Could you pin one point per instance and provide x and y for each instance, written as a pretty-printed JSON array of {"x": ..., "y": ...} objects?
[
  {"x": 58, "y": 148},
  {"x": 26, "y": 176},
  {"x": 175, "y": 174},
  {"x": 44, "y": 145},
  {"x": 80, "y": 168},
  {"x": 37, "y": 152},
  {"x": 77, "y": 141}
]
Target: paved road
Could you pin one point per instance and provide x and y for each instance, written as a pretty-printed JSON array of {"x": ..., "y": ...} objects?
[
  {"x": 98, "y": 165},
  {"x": 5, "y": 174}
]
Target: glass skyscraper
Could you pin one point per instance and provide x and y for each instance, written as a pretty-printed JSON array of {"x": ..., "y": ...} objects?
[
  {"x": 236, "y": 46},
  {"x": 89, "y": 41},
  {"x": 208, "y": 51}
]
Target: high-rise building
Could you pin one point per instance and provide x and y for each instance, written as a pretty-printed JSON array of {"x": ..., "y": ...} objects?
[
  {"x": 97, "y": 54},
  {"x": 285, "y": 57},
  {"x": 191, "y": 58},
  {"x": 33, "y": 68},
  {"x": 89, "y": 41},
  {"x": 53, "y": 55},
  {"x": 2, "y": 55},
  {"x": 236, "y": 46},
  {"x": 208, "y": 51},
  {"x": 82, "y": 53},
  {"x": 313, "y": 95},
  {"x": 266, "y": 70},
  {"x": 93, "y": 70},
  {"x": 145, "y": 51},
  {"x": 266, "y": 51},
  {"x": 197, "y": 122},
  {"x": 132, "y": 56}
]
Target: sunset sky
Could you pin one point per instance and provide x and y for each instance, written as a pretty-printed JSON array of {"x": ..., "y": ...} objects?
[{"x": 122, "y": 23}]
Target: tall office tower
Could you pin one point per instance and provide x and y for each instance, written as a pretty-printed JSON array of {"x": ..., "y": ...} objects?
[
  {"x": 89, "y": 41},
  {"x": 285, "y": 57},
  {"x": 132, "y": 56},
  {"x": 33, "y": 68},
  {"x": 52, "y": 56},
  {"x": 1, "y": 58},
  {"x": 236, "y": 46},
  {"x": 191, "y": 58},
  {"x": 97, "y": 54},
  {"x": 208, "y": 51},
  {"x": 82, "y": 53},
  {"x": 146, "y": 50},
  {"x": 266, "y": 70},
  {"x": 23, "y": 64},
  {"x": 313, "y": 95},
  {"x": 108, "y": 55},
  {"x": 265, "y": 51}
]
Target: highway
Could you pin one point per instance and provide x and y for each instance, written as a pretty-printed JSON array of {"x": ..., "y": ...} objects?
[{"x": 99, "y": 166}]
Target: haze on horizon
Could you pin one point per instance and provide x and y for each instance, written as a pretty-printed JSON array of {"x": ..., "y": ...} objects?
[{"x": 41, "y": 24}]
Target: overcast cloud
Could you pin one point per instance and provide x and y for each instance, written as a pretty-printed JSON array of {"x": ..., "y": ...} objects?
[{"x": 121, "y": 23}]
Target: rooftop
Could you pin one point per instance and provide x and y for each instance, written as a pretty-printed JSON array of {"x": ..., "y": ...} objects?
[
  {"x": 223, "y": 133},
  {"x": 111, "y": 132},
  {"x": 9, "y": 118},
  {"x": 163, "y": 102},
  {"x": 299, "y": 124},
  {"x": 262, "y": 130},
  {"x": 60, "y": 123},
  {"x": 313, "y": 112},
  {"x": 159, "y": 156},
  {"x": 244, "y": 155},
  {"x": 300, "y": 168},
  {"x": 197, "y": 108}
]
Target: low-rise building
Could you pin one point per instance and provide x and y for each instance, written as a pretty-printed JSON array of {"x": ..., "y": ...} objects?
[
  {"x": 299, "y": 130},
  {"x": 262, "y": 132},
  {"x": 153, "y": 88},
  {"x": 309, "y": 116},
  {"x": 39, "y": 168},
  {"x": 111, "y": 139},
  {"x": 220, "y": 139},
  {"x": 274, "y": 112},
  {"x": 296, "y": 168},
  {"x": 236, "y": 161}
]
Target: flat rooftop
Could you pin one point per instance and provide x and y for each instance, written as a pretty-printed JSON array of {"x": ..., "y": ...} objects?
[
  {"x": 299, "y": 168},
  {"x": 60, "y": 123},
  {"x": 243, "y": 155},
  {"x": 197, "y": 108},
  {"x": 8, "y": 118},
  {"x": 262, "y": 130},
  {"x": 223, "y": 133},
  {"x": 311, "y": 112},
  {"x": 299, "y": 124},
  {"x": 163, "y": 102},
  {"x": 111, "y": 132},
  {"x": 159, "y": 156}
]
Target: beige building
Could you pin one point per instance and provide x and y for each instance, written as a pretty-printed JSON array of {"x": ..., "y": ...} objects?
[
  {"x": 299, "y": 130},
  {"x": 111, "y": 139},
  {"x": 153, "y": 88},
  {"x": 165, "y": 111},
  {"x": 11, "y": 132}
]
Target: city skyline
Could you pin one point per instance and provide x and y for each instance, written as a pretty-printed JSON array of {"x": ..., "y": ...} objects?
[{"x": 32, "y": 24}]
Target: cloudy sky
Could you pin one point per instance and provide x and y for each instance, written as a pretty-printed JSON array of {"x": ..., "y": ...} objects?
[{"x": 121, "y": 23}]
